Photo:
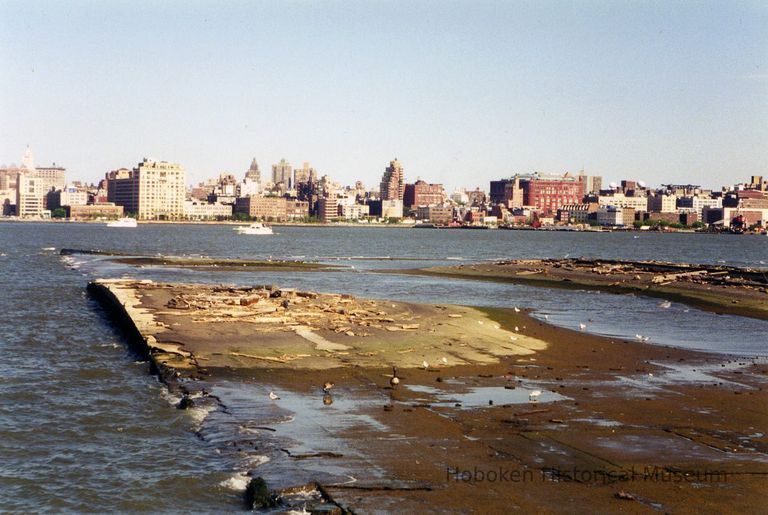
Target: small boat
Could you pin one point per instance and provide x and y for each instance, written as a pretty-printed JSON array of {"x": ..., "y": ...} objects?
[
  {"x": 123, "y": 222},
  {"x": 254, "y": 228}
]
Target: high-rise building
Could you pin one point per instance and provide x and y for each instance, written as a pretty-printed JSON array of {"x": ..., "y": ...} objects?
[
  {"x": 152, "y": 190},
  {"x": 28, "y": 161},
  {"x": 281, "y": 173},
  {"x": 253, "y": 173},
  {"x": 393, "y": 182},
  {"x": 52, "y": 177},
  {"x": 304, "y": 174},
  {"x": 30, "y": 192}
]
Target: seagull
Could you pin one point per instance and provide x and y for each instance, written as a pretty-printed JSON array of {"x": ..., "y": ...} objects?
[
  {"x": 546, "y": 317},
  {"x": 665, "y": 305},
  {"x": 424, "y": 364},
  {"x": 582, "y": 326},
  {"x": 273, "y": 396},
  {"x": 394, "y": 381},
  {"x": 513, "y": 338},
  {"x": 534, "y": 396},
  {"x": 444, "y": 360},
  {"x": 517, "y": 310},
  {"x": 639, "y": 337},
  {"x": 327, "y": 386},
  {"x": 517, "y": 329}
]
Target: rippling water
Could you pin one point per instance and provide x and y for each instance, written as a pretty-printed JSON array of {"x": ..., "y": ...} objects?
[{"x": 84, "y": 427}]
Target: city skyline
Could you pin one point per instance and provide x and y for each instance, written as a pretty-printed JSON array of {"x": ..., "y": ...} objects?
[{"x": 460, "y": 95}]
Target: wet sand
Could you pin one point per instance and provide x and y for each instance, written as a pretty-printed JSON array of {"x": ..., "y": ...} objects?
[
  {"x": 718, "y": 289},
  {"x": 618, "y": 426}
]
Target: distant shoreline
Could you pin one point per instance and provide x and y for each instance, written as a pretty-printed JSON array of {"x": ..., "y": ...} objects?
[{"x": 570, "y": 229}]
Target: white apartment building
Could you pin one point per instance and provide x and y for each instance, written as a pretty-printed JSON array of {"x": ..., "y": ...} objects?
[
  {"x": 154, "y": 190},
  {"x": 30, "y": 191},
  {"x": 621, "y": 200},
  {"x": 198, "y": 210}
]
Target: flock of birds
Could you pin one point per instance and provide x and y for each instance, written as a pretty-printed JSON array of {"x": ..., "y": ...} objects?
[{"x": 394, "y": 381}]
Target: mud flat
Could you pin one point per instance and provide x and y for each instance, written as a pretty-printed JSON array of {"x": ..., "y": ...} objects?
[
  {"x": 204, "y": 263},
  {"x": 617, "y": 425},
  {"x": 721, "y": 289}
]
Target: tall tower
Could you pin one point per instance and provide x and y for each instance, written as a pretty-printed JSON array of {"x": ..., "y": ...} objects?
[
  {"x": 393, "y": 182},
  {"x": 28, "y": 161},
  {"x": 281, "y": 172},
  {"x": 253, "y": 173},
  {"x": 304, "y": 174}
]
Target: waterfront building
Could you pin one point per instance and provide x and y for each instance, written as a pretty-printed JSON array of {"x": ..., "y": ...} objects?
[
  {"x": 393, "y": 182},
  {"x": 392, "y": 209},
  {"x": 106, "y": 210},
  {"x": 544, "y": 193},
  {"x": 281, "y": 175},
  {"x": 263, "y": 208},
  {"x": 613, "y": 216},
  {"x": 421, "y": 193},
  {"x": 328, "y": 209},
  {"x": 296, "y": 209},
  {"x": 577, "y": 213},
  {"x": 354, "y": 211},
  {"x": 662, "y": 203},
  {"x": 697, "y": 203},
  {"x": 69, "y": 196},
  {"x": 201, "y": 210},
  {"x": 154, "y": 190},
  {"x": 440, "y": 215},
  {"x": 30, "y": 192},
  {"x": 622, "y": 200}
]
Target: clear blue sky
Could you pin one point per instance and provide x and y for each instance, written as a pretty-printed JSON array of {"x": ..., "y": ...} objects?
[{"x": 461, "y": 92}]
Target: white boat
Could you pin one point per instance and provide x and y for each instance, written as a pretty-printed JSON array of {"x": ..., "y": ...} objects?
[
  {"x": 123, "y": 222},
  {"x": 254, "y": 228}
]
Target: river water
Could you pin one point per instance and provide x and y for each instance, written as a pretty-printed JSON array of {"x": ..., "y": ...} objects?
[{"x": 84, "y": 427}]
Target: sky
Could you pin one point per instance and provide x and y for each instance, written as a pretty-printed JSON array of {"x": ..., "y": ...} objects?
[{"x": 461, "y": 92}]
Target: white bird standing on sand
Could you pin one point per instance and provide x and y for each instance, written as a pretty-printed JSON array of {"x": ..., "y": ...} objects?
[
  {"x": 517, "y": 310},
  {"x": 533, "y": 397},
  {"x": 394, "y": 380},
  {"x": 517, "y": 329},
  {"x": 582, "y": 326},
  {"x": 546, "y": 317},
  {"x": 273, "y": 396},
  {"x": 424, "y": 364},
  {"x": 444, "y": 360}
]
